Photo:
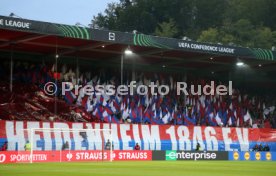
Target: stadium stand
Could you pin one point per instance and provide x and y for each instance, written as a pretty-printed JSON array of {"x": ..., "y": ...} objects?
[
  {"x": 29, "y": 102},
  {"x": 85, "y": 56}
]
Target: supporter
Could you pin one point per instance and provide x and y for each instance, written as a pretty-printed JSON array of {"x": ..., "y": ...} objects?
[
  {"x": 83, "y": 134},
  {"x": 4, "y": 146},
  {"x": 197, "y": 147},
  {"x": 65, "y": 146},
  {"x": 261, "y": 148},
  {"x": 107, "y": 145},
  {"x": 137, "y": 147},
  {"x": 266, "y": 148},
  {"x": 256, "y": 148},
  {"x": 28, "y": 146}
]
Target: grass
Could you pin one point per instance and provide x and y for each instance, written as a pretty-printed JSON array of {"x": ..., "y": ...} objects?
[{"x": 139, "y": 168}]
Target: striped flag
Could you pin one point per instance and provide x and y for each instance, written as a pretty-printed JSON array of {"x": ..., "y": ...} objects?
[{"x": 69, "y": 96}]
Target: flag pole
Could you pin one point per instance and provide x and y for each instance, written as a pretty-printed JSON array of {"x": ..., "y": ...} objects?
[
  {"x": 56, "y": 70},
  {"x": 11, "y": 69},
  {"x": 141, "y": 116}
]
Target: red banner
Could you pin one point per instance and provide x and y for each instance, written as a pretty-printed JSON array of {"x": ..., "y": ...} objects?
[{"x": 74, "y": 156}]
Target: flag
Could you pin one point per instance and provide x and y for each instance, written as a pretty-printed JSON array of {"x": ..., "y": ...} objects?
[
  {"x": 147, "y": 116},
  {"x": 224, "y": 116},
  {"x": 231, "y": 106},
  {"x": 146, "y": 101},
  {"x": 166, "y": 118},
  {"x": 140, "y": 112},
  {"x": 133, "y": 115},
  {"x": 247, "y": 118},
  {"x": 153, "y": 107},
  {"x": 125, "y": 113},
  {"x": 112, "y": 107},
  {"x": 218, "y": 119},
  {"x": 231, "y": 118},
  {"x": 174, "y": 115},
  {"x": 240, "y": 99},
  {"x": 69, "y": 96},
  {"x": 106, "y": 117},
  {"x": 211, "y": 119},
  {"x": 84, "y": 102},
  {"x": 156, "y": 118},
  {"x": 80, "y": 96},
  {"x": 230, "y": 121},
  {"x": 108, "y": 109},
  {"x": 89, "y": 106},
  {"x": 179, "y": 119},
  {"x": 189, "y": 120},
  {"x": 116, "y": 104}
]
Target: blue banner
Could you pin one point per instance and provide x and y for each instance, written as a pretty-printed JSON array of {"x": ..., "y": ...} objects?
[{"x": 252, "y": 156}]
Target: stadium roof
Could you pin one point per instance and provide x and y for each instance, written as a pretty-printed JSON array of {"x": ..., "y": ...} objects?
[{"x": 45, "y": 38}]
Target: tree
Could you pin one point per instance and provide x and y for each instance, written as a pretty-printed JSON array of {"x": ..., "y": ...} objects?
[
  {"x": 263, "y": 38},
  {"x": 107, "y": 20},
  {"x": 166, "y": 29},
  {"x": 243, "y": 32},
  {"x": 209, "y": 13},
  {"x": 274, "y": 38},
  {"x": 242, "y": 22},
  {"x": 210, "y": 35}
]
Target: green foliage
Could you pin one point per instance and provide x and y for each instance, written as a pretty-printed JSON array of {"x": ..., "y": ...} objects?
[
  {"x": 107, "y": 20},
  {"x": 263, "y": 38},
  {"x": 242, "y": 22},
  {"x": 166, "y": 29},
  {"x": 243, "y": 32},
  {"x": 210, "y": 35},
  {"x": 274, "y": 38}
]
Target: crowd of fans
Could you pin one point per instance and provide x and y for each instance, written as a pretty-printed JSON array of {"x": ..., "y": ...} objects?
[
  {"x": 260, "y": 147},
  {"x": 28, "y": 101}
]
